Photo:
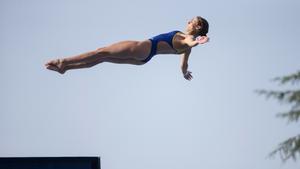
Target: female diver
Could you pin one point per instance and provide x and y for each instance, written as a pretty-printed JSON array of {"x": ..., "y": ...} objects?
[{"x": 140, "y": 52}]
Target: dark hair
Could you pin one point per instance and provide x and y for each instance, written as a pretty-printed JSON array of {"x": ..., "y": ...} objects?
[{"x": 204, "y": 26}]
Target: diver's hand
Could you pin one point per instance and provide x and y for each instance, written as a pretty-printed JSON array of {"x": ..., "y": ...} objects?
[
  {"x": 188, "y": 75},
  {"x": 202, "y": 39}
]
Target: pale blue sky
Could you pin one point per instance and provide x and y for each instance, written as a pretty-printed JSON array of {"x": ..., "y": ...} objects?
[{"x": 146, "y": 117}]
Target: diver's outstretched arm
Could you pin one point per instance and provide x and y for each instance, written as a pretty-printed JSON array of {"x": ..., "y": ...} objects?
[{"x": 184, "y": 65}]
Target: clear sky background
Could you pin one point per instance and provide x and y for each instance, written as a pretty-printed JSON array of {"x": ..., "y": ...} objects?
[{"x": 147, "y": 117}]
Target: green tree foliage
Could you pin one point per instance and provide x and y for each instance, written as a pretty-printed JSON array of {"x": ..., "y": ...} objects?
[{"x": 290, "y": 147}]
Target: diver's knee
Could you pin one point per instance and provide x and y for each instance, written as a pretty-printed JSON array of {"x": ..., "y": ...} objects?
[{"x": 104, "y": 51}]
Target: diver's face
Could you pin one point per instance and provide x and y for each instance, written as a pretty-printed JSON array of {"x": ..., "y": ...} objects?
[{"x": 193, "y": 24}]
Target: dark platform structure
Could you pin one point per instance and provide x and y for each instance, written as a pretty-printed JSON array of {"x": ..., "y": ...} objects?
[{"x": 50, "y": 163}]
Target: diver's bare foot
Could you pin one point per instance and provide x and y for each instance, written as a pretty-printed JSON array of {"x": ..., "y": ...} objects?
[{"x": 56, "y": 65}]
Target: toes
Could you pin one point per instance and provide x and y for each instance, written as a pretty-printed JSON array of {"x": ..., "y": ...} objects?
[
  {"x": 48, "y": 64},
  {"x": 52, "y": 67},
  {"x": 53, "y": 62},
  {"x": 55, "y": 65},
  {"x": 55, "y": 68}
]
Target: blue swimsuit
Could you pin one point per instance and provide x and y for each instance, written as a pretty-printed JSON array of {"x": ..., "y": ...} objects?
[{"x": 167, "y": 37}]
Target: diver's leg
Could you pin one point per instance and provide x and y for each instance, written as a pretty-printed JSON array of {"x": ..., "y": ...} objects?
[
  {"x": 124, "y": 61},
  {"x": 111, "y": 60},
  {"x": 59, "y": 65},
  {"x": 124, "y": 51},
  {"x": 80, "y": 65}
]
